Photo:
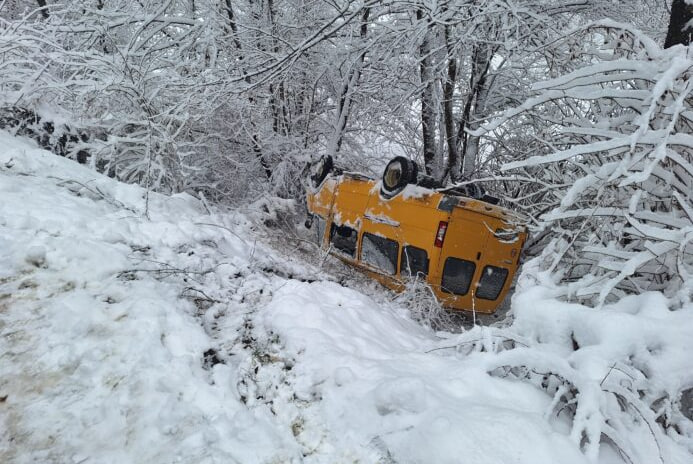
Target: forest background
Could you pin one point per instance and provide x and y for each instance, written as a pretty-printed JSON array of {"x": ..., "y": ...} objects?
[{"x": 576, "y": 113}]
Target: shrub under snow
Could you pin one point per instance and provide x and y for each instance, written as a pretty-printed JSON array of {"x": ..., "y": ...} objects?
[{"x": 610, "y": 178}]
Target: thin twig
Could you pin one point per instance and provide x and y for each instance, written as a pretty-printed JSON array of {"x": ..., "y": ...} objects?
[{"x": 476, "y": 341}]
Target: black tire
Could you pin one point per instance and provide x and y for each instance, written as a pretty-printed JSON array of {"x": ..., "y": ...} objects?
[
  {"x": 320, "y": 170},
  {"x": 399, "y": 172},
  {"x": 426, "y": 181},
  {"x": 474, "y": 191}
]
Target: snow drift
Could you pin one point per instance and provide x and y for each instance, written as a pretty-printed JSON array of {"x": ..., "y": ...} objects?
[{"x": 136, "y": 327}]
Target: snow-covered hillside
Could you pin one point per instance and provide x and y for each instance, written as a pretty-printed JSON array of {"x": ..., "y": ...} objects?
[{"x": 138, "y": 328}]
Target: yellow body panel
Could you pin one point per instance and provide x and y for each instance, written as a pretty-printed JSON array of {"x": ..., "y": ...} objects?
[{"x": 411, "y": 218}]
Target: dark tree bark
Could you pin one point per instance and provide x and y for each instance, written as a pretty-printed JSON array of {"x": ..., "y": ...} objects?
[
  {"x": 428, "y": 113},
  {"x": 448, "y": 93},
  {"x": 481, "y": 62},
  {"x": 232, "y": 23},
  {"x": 44, "y": 11},
  {"x": 681, "y": 14},
  {"x": 344, "y": 103},
  {"x": 280, "y": 117}
]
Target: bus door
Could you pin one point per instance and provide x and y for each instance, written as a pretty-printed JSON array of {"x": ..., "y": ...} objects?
[{"x": 462, "y": 254}]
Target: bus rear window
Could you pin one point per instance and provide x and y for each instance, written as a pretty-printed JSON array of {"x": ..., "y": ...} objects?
[
  {"x": 414, "y": 262},
  {"x": 379, "y": 252},
  {"x": 491, "y": 282},
  {"x": 457, "y": 276}
]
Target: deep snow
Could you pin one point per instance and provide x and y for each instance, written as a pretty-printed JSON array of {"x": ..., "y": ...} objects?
[{"x": 141, "y": 328}]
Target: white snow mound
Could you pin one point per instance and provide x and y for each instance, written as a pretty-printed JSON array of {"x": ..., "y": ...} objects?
[{"x": 136, "y": 327}]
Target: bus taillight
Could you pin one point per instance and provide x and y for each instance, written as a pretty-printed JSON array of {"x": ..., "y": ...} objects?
[{"x": 440, "y": 235}]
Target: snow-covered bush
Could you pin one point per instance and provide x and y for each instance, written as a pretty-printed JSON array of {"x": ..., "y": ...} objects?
[
  {"x": 609, "y": 176},
  {"x": 601, "y": 159},
  {"x": 618, "y": 375},
  {"x": 160, "y": 88},
  {"x": 424, "y": 307}
]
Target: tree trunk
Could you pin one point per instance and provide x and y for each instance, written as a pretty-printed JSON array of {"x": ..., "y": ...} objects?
[
  {"x": 350, "y": 83},
  {"x": 481, "y": 60},
  {"x": 428, "y": 124},
  {"x": 681, "y": 14},
  {"x": 44, "y": 11},
  {"x": 448, "y": 93},
  {"x": 277, "y": 101},
  {"x": 232, "y": 23}
]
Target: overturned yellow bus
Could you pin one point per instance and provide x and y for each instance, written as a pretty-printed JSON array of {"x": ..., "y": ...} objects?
[{"x": 466, "y": 248}]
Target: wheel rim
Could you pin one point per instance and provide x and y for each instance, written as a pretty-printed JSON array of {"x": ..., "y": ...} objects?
[{"x": 393, "y": 175}]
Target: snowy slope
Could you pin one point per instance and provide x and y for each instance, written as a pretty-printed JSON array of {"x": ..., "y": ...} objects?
[
  {"x": 102, "y": 363},
  {"x": 137, "y": 329}
]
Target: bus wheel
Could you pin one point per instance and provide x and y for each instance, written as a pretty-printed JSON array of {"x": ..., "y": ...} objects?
[
  {"x": 399, "y": 172},
  {"x": 321, "y": 169}
]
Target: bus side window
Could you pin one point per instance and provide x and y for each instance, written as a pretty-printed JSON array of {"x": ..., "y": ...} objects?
[
  {"x": 344, "y": 239},
  {"x": 379, "y": 252},
  {"x": 457, "y": 276},
  {"x": 414, "y": 262}
]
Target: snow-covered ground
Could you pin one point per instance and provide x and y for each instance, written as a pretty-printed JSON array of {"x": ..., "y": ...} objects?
[{"x": 140, "y": 328}]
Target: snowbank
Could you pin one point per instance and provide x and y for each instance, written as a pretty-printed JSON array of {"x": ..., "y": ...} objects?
[
  {"x": 372, "y": 387},
  {"x": 102, "y": 360},
  {"x": 142, "y": 328}
]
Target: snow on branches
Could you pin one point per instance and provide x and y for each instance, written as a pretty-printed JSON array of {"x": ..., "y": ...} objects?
[{"x": 611, "y": 164}]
